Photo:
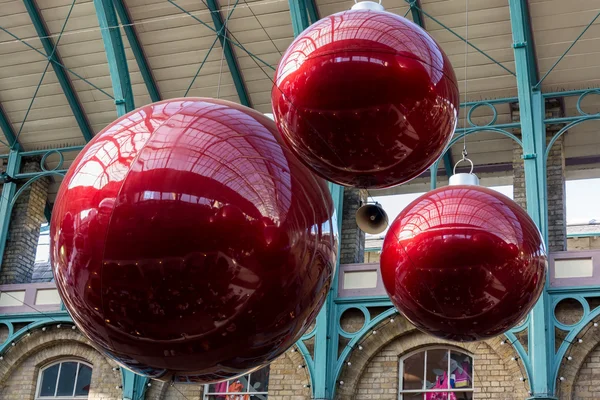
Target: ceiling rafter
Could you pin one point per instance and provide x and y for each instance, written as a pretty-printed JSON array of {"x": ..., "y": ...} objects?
[
  {"x": 417, "y": 15},
  {"x": 137, "y": 49},
  {"x": 8, "y": 131},
  {"x": 232, "y": 62},
  {"x": 63, "y": 79}
]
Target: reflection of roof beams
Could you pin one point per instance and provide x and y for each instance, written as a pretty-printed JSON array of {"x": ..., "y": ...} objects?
[
  {"x": 115, "y": 55},
  {"x": 8, "y": 131},
  {"x": 234, "y": 68},
  {"x": 137, "y": 49},
  {"x": 61, "y": 75}
]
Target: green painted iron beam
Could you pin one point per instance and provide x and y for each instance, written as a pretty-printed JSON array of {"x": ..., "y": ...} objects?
[
  {"x": 115, "y": 55},
  {"x": 8, "y": 131},
  {"x": 137, "y": 49},
  {"x": 448, "y": 163},
  {"x": 417, "y": 15},
  {"x": 8, "y": 192},
  {"x": 47, "y": 212},
  {"x": 313, "y": 11},
  {"x": 232, "y": 63},
  {"x": 532, "y": 113},
  {"x": 61, "y": 74},
  {"x": 299, "y": 15}
]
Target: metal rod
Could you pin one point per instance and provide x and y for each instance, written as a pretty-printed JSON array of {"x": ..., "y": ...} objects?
[{"x": 568, "y": 49}]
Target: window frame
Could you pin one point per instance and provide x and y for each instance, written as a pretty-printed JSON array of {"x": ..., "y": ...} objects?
[
  {"x": 59, "y": 363},
  {"x": 449, "y": 350},
  {"x": 206, "y": 394}
]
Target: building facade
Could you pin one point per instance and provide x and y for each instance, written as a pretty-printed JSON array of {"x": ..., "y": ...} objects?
[{"x": 360, "y": 347}]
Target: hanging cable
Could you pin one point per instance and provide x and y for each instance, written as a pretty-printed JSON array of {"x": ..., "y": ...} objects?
[
  {"x": 465, "y": 122},
  {"x": 223, "y": 44}
]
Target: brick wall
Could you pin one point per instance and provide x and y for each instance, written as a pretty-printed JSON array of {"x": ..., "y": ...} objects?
[
  {"x": 352, "y": 249},
  {"x": 583, "y": 243},
  {"x": 287, "y": 381},
  {"x": 587, "y": 383},
  {"x": 24, "y": 230},
  {"x": 581, "y": 374},
  {"x": 21, "y": 364},
  {"x": 555, "y": 175}
]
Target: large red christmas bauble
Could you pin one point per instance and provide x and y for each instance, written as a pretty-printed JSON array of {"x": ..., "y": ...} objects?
[
  {"x": 365, "y": 99},
  {"x": 463, "y": 263},
  {"x": 188, "y": 241}
]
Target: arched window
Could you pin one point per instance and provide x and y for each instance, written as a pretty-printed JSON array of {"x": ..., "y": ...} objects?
[
  {"x": 252, "y": 386},
  {"x": 68, "y": 379},
  {"x": 436, "y": 373}
]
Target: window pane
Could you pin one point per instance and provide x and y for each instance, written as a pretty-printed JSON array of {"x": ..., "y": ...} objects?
[
  {"x": 66, "y": 381},
  {"x": 461, "y": 371},
  {"x": 49, "y": 381},
  {"x": 259, "y": 380},
  {"x": 437, "y": 369},
  {"x": 412, "y": 378},
  {"x": 83, "y": 380},
  {"x": 432, "y": 395}
]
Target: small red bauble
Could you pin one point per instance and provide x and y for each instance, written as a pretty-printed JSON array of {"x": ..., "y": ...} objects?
[
  {"x": 188, "y": 241},
  {"x": 463, "y": 263},
  {"x": 365, "y": 98}
]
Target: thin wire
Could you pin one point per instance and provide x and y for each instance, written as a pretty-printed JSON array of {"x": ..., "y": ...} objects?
[
  {"x": 464, "y": 152},
  {"x": 263, "y": 28},
  {"x": 148, "y": 21},
  {"x": 175, "y": 387},
  {"x": 222, "y": 55},
  {"x": 235, "y": 41},
  {"x": 44, "y": 73},
  {"x": 28, "y": 305},
  {"x": 18, "y": 39}
]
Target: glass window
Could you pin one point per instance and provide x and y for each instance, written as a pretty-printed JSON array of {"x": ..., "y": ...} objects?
[
  {"x": 252, "y": 386},
  {"x": 436, "y": 374},
  {"x": 65, "y": 380},
  {"x": 42, "y": 253}
]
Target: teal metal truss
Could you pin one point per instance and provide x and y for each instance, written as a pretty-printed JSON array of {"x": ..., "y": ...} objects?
[
  {"x": 7, "y": 131},
  {"x": 542, "y": 358},
  {"x": 232, "y": 64},
  {"x": 137, "y": 49},
  {"x": 417, "y": 16},
  {"x": 115, "y": 55},
  {"x": 55, "y": 60}
]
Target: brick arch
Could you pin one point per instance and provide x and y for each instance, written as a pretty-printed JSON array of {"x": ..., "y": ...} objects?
[
  {"x": 572, "y": 370},
  {"x": 21, "y": 365},
  {"x": 400, "y": 338},
  {"x": 286, "y": 380}
]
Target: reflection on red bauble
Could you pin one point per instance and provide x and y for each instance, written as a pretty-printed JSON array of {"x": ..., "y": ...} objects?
[
  {"x": 463, "y": 263},
  {"x": 188, "y": 241},
  {"x": 365, "y": 99}
]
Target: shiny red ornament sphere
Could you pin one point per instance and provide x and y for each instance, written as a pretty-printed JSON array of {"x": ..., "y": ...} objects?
[
  {"x": 463, "y": 263},
  {"x": 188, "y": 241},
  {"x": 366, "y": 99}
]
